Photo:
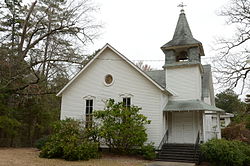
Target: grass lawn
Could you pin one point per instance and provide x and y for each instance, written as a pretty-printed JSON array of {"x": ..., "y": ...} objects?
[{"x": 30, "y": 157}]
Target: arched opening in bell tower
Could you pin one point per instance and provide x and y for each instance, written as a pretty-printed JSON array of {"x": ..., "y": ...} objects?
[{"x": 182, "y": 56}]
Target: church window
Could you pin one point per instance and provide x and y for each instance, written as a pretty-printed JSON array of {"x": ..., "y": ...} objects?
[
  {"x": 89, "y": 110},
  {"x": 126, "y": 101},
  {"x": 108, "y": 79}
]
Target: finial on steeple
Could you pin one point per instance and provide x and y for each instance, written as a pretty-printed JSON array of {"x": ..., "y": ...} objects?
[{"x": 182, "y": 7}]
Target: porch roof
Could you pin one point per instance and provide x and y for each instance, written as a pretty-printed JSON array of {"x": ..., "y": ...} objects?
[{"x": 190, "y": 105}]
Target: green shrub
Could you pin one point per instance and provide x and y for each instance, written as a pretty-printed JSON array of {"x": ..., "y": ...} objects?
[
  {"x": 92, "y": 133},
  {"x": 83, "y": 151},
  {"x": 52, "y": 149},
  {"x": 69, "y": 142},
  {"x": 41, "y": 142},
  {"x": 123, "y": 128},
  {"x": 236, "y": 132},
  {"x": 148, "y": 152},
  {"x": 226, "y": 153},
  {"x": 246, "y": 150},
  {"x": 248, "y": 122}
]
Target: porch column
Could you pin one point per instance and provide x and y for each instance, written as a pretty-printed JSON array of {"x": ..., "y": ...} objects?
[
  {"x": 204, "y": 126},
  {"x": 218, "y": 128}
]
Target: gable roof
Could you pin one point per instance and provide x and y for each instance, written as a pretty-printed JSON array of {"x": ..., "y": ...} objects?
[
  {"x": 126, "y": 60},
  {"x": 158, "y": 76}
]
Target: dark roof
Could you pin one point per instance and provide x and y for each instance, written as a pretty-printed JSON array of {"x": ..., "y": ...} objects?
[
  {"x": 190, "y": 105},
  {"x": 158, "y": 76},
  {"x": 182, "y": 35}
]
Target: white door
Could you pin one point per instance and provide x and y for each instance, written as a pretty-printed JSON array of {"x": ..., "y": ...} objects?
[{"x": 183, "y": 129}]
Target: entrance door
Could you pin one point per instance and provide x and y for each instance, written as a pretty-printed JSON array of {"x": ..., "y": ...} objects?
[{"x": 183, "y": 129}]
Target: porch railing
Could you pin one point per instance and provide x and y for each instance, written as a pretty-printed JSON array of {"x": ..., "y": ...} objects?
[
  {"x": 163, "y": 141},
  {"x": 196, "y": 146}
]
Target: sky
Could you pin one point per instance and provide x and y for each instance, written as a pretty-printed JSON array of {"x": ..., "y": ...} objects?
[{"x": 138, "y": 28}]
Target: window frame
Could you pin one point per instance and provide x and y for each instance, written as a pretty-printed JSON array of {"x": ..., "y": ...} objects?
[
  {"x": 89, "y": 103},
  {"x": 127, "y": 101},
  {"x": 89, "y": 107},
  {"x": 110, "y": 83},
  {"x": 126, "y": 95}
]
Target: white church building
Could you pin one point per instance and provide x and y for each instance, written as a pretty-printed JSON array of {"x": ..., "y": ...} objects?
[{"x": 179, "y": 99}]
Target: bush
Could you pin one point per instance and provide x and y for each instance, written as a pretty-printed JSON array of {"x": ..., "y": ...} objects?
[
  {"x": 148, "y": 152},
  {"x": 92, "y": 133},
  {"x": 69, "y": 142},
  {"x": 236, "y": 132},
  {"x": 52, "y": 149},
  {"x": 40, "y": 143},
  {"x": 226, "y": 153},
  {"x": 83, "y": 151},
  {"x": 248, "y": 122},
  {"x": 122, "y": 127}
]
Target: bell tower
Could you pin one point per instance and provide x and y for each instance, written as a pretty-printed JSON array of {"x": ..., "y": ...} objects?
[
  {"x": 183, "y": 61},
  {"x": 183, "y": 47}
]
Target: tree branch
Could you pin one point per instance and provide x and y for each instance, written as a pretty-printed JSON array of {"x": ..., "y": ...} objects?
[{"x": 23, "y": 36}]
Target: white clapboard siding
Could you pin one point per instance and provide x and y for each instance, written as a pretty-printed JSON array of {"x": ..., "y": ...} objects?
[
  {"x": 127, "y": 81},
  {"x": 185, "y": 82}
]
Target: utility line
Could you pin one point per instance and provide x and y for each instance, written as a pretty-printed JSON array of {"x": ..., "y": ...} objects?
[{"x": 149, "y": 60}]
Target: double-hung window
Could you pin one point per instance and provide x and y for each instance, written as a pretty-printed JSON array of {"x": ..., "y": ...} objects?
[
  {"x": 89, "y": 110},
  {"x": 126, "y": 101}
]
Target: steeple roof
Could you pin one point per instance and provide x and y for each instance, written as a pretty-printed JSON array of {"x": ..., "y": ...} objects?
[{"x": 182, "y": 35}]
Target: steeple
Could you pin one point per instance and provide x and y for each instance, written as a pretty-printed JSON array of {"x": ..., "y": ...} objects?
[{"x": 183, "y": 46}]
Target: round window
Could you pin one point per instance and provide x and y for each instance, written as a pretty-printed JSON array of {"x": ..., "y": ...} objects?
[{"x": 108, "y": 79}]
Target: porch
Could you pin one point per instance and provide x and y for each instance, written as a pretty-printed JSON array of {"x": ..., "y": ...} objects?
[
  {"x": 184, "y": 119},
  {"x": 186, "y": 126}
]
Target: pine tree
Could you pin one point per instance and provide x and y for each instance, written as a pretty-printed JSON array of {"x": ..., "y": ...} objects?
[{"x": 40, "y": 43}]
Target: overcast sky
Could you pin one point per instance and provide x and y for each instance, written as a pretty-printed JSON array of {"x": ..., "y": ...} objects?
[{"x": 138, "y": 28}]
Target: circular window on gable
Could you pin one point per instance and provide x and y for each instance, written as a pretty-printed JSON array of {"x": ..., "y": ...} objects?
[{"x": 109, "y": 79}]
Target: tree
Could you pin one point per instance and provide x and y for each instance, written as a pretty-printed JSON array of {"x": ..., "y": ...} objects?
[
  {"x": 40, "y": 44},
  {"x": 229, "y": 101},
  {"x": 11, "y": 22},
  {"x": 247, "y": 100},
  {"x": 122, "y": 128},
  {"x": 46, "y": 43},
  {"x": 231, "y": 66},
  {"x": 144, "y": 67}
]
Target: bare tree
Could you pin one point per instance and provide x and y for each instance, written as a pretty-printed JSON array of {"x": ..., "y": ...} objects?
[
  {"x": 232, "y": 66},
  {"x": 39, "y": 44},
  {"x": 144, "y": 67},
  {"x": 232, "y": 71},
  {"x": 51, "y": 39}
]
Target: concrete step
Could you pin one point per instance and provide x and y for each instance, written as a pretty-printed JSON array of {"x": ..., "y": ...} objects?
[
  {"x": 179, "y": 150},
  {"x": 179, "y": 153},
  {"x": 177, "y": 160}
]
